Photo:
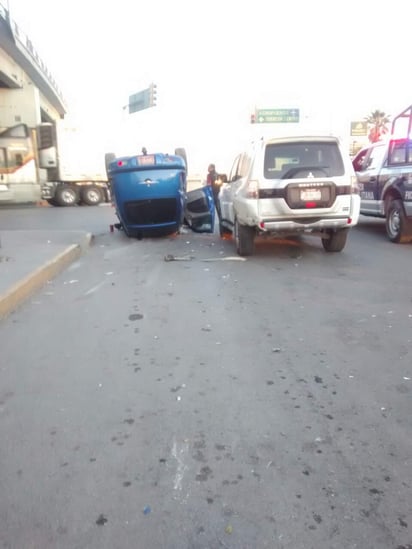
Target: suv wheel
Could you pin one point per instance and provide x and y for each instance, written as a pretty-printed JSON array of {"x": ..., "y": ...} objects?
[
  {"x": 245, "y": 239},
  {"x": 396, "y": 222},
  {"x": 336, "y": 240}
]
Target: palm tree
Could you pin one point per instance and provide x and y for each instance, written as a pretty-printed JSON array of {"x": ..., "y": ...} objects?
[{"x": 378, "y": 122}]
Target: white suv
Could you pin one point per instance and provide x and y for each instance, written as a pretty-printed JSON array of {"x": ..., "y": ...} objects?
[{"x": 288, "y": 186}]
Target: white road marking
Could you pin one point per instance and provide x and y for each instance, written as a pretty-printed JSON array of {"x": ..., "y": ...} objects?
[
  {"x": 95, "y": 288},
  {"x": 179, "y": 454}
]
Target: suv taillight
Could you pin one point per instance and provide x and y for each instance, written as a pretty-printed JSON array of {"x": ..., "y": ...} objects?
[{"x": 252, "y": 189}]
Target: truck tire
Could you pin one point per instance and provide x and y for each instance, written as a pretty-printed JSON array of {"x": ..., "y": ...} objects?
[
  {"x": 245, "y": 239},
  {"x": 91, "y": 195},
  {"x": 66, "y": 196},
  {"x": 396, "y": 222},
  {"x": 336, "y": 240}
]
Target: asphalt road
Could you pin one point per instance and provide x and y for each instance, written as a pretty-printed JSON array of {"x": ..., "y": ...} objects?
[
  {"x": 209, "y": 401},
  {"x": 91, "y": 219}
]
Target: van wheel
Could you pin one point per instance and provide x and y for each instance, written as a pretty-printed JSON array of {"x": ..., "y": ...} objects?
[
  {"x": 396, "y": 223},
  {"x": 336, "y": 240},
  {"x": 66, "y": 196},
  {"x": 245, "y": 239},
  {"x": 92, "y": 196}
]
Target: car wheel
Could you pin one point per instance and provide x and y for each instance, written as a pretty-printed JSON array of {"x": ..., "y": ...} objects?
[
  {"x": 397, "y": 223},
  {"x": 108, "y": 158},
  {"x": 245, "y": 239},
  {"x": 336, "y": 240},
  {"x": 66, "y": 196},
  {"x": 182, "y": 153},
  {"x": 92, "y": 196}
]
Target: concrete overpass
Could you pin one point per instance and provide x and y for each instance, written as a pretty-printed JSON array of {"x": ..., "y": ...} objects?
[{"x": 28, "y": 92}]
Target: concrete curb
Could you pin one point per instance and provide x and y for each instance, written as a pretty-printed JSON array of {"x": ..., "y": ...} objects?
[{"x": 26, "y": 287}]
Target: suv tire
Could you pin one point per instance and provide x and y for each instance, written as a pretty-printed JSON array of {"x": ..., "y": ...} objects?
[
  {"x": 245, "y": 239},
  {"x": 396, "y": 222},
  {"x": 336, "y": 240}
]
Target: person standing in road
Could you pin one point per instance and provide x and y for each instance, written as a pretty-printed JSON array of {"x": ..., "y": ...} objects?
[{"x": 213, "y": 180}]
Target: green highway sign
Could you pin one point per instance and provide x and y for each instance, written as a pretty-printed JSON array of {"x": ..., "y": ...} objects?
[
  {"x": 276, "y": 116},
  {"x": 139, "y": 101}
]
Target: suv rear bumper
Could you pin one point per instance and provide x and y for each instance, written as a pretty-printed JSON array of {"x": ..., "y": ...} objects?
[
  {"x": 304, "y": 225},
  {"x": 278, "y": 217}
]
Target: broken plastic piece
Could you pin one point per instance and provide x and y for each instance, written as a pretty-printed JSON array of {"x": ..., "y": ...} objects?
[{"x": 171, "y": 257}]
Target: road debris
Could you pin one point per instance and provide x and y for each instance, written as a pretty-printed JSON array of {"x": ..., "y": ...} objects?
[
  {"x": 101, "y": 520},
  {"x": 170, "y": 257},
  {"x": 230, "y": 258}
]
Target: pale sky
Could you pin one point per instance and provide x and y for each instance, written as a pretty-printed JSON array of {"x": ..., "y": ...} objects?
[{"x": 215, "y": 62}]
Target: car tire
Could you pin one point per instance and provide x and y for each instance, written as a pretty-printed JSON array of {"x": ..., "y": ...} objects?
[
  {"x": 66, "y": 196},
  {"x": 336, "y": 240},
  {"x": 397, "y": 226},
  {"x": 182, "y": 153},
  {"x": 108, "y": 158},
  {"x": 91, "y": 195},
  {"x": 245, "y": 239}
]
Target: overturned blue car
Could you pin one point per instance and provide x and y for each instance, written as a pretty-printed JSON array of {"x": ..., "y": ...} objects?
[{"x": 150, "y": 197}]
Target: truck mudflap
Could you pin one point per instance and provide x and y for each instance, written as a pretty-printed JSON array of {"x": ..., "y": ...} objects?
[{"x": 47, "y": 191}]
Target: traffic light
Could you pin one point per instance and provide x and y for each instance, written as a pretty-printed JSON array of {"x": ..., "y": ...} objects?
[{"x": 152, "y": 95}]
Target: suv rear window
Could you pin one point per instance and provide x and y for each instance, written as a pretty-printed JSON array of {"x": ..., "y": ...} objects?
[{"x": 286, "y": 158}]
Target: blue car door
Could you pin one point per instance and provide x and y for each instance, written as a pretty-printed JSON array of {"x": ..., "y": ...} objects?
[{"x": 200, "y": 210}]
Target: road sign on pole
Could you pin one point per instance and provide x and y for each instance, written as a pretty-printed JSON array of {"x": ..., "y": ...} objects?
[
  {"x": 139, "y": 101},
  {"x": 358, "y": 128},
  {"x": 143, "y": 99},
  {"x": 276, "y": 116}
]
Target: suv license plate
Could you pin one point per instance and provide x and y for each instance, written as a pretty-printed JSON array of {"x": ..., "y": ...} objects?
[{"x": 310, "y": 194}]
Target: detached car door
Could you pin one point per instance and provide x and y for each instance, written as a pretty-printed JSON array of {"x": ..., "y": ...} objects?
[{"x": 200, "y": 210}]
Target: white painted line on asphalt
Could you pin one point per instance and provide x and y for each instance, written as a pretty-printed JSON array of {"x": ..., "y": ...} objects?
[
  {"x": 95, "y": 288},
  {"x": 179, "y": 455}
]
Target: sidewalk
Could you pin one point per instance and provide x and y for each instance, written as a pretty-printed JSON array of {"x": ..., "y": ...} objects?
[{"x": 28, "y": 259}]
